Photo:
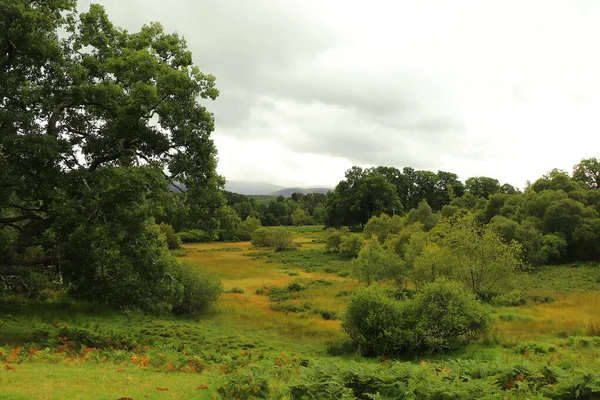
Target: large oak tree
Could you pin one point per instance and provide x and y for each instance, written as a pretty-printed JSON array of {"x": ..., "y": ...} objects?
[{"x": 93, "y": 122}]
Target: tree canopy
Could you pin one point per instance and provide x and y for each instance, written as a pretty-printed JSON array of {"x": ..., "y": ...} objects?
[{"x": 93, "y": 122}]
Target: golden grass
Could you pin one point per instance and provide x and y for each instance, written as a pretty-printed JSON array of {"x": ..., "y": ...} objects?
[
  {"x": 236, "y": 269},
  {"x": 571, "y": 314}
]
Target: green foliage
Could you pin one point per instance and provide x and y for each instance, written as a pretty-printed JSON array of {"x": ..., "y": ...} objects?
[
  {"x": 196, "y": 236},
  {"x": 333, "y": 239},
  {"x": 200, "y": 290},
  {"x": 173, "y": 240},
  {"x": 462, "y": 249},
  {"x": 588, "y": 172},
  {"x": 248, "y": 226},
  {"x": 378, "y": 324},
  {"x": 383, "y": 226},
  {"x": 279, "y": 238},
  {"x": 363, "y": 194},
  {"x": 229, "y": 223},
  {"x": 441, "y": 317},
  {"x": 82, "y": 171},
  {"x": 246, "y": 384},
  {"x": 351, "y": 245},
  {"x": 446, "y": 316},
  {"x": 510, "y": 299},
  {"x": 424, "y": 215},
  {"x": 374, "y": 263}
]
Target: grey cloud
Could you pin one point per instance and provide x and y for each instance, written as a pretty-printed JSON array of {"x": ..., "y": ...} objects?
[{"x": 270, "y": 49}]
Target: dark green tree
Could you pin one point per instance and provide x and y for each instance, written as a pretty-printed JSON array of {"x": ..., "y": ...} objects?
[{"x": 89, "y": 122}]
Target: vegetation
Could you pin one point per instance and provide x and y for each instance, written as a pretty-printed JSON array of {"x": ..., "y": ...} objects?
[
  {"x": 278, "y": 238},
  {"x": 441, "y": 317},
  {"x": 108, "y": 185}
]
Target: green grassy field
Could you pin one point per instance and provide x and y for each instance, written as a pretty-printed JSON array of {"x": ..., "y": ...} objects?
[{"x": 276, "y": 333}]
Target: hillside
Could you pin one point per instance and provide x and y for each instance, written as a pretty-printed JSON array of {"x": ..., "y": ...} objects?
[{"x": 262, "y": 188}]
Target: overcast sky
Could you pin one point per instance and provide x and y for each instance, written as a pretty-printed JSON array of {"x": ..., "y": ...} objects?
[{"x": 507, "y": 89}]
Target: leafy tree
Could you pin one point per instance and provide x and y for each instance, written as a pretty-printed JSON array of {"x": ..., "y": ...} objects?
[
  {"x": 588, "y": 172},
  {"x": 88, "y": 124},
  {"x": 398, "y": 243},
  {"x": 300, "y": 217},
  {"x": 229, "y": 223},
  {"x": 478, "y": 257},
  {"x": 374, "y": 263},
  {"x": 351, "y": 246},
  {"x": 377, "y": 323},
  {"x": 173, "y": 239},
  {"x": 248, "y": 226},
  {"x": 382, "y": 226},
  {"x": 333, "y": 239},
  {"x": 482, "y": 186},
  {"x": 360, "y": 196},
  {"x": 424, "y": 215}
]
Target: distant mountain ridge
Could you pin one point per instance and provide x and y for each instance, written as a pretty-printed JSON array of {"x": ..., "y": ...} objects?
[
  {"x": 261, "y": 188},
  {"x": 289, "y": 191}
]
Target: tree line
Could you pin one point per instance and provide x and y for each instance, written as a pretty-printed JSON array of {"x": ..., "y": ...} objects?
[{"x": 556, "y": 218}]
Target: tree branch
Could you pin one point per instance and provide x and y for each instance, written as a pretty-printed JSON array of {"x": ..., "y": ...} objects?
[
  {"x": 109, "y": 157},
  {"x": 10, "y": 220},
  {"x": 23, "y": 208}
]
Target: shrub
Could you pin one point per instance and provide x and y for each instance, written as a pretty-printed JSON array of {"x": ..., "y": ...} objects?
[
  {"x": 289, "y": 307},
  {"x": 278, "y": 238},
  {"x": 201, "y": 290},
  {"x": 441, "y": 317},
  {"x": 196, "y": 236},
  {"x": 351, "y": 246},
  {"x": 510, "y": 299},
  {"x": 447, "y": 316},
  {"x": 248, "y": 226},
  {"x": 378, "y": 324},
  {"x": 173, "y": 239},
  {"x": 333, "y": 239}
]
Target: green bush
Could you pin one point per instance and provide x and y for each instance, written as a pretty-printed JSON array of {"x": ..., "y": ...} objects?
[
  {"x": 441, "y": 317},
  {"x": 333, "y": 239},
  {"x": 247, "y": 227},
  {"x": 510, "y": 299},
  {"x": 378, "y": 324},
  {"x": 196, "y": 236},
  {"x": 201, "y": 290},
  {"x": 173, "y": 239},
  {"x": 447, "y": 316},
  {"x": 279, "y": 238},
  {"x": 351, "y": 245}
]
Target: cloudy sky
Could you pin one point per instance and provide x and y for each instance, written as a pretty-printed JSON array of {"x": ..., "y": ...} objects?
[{"x": 507, "y": 89}]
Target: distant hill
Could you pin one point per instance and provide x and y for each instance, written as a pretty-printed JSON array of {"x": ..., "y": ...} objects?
[
  {"x": 247, "y": 188},
  {"x": 261, "y": 188},
  {"x": 288, "y": 192}
]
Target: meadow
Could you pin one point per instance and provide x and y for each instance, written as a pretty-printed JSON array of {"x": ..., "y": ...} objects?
[{"x": 276, "y": 333}]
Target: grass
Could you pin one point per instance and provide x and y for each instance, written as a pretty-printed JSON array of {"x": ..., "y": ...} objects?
[{"x": 255, "y": 336}]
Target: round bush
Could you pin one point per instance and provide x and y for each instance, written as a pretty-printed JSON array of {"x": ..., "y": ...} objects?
[
  {"x": 443, "y": 316},
  {"x": 201, "y": 290}
]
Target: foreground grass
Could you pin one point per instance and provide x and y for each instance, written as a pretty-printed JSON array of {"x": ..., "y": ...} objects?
[{"x": 78, "y": 380}]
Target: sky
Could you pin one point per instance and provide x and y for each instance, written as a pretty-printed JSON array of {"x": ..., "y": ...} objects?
[{"x": 309, "y": 88}]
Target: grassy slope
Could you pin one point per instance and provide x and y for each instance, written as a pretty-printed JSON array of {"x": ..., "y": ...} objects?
[{"x": 245, "y": 333}]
